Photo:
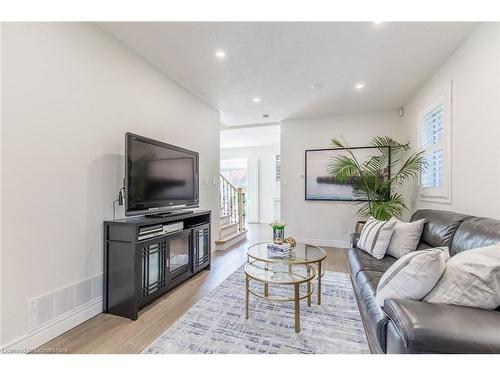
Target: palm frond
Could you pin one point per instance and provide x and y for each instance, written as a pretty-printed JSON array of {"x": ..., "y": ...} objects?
[
  {"x": 364, "y": 210},
  {"x": 342, "y": 168},
  {"x": 374, "y": 164},
  {"x": 339, "y": 143},
  {"x": 411, "y": 168},
  {"x": 384, "y": 210}
]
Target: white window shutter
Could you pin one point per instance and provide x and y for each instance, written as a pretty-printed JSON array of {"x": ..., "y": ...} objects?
[{"x": 434, "y": 139}]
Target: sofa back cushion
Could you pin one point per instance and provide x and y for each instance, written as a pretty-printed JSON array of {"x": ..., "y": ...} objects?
[
  {"x": 475, "y": 232},
  {"x": 439, "y": 227}
]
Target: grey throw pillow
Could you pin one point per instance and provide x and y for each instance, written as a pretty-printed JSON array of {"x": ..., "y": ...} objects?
[
  {"x": 413, "y": 275},
  {"x": 375, "y": 237},
  {"x": 471, "y": 278},
  {"x": 405, "y": 238}
]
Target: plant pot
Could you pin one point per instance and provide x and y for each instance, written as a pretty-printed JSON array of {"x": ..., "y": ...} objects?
[{"x": 359, "y": 226}]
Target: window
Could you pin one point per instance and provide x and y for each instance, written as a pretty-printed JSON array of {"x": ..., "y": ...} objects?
[
  {"x": 278, "y": 168},
  {"x": 434, "y": 130}
]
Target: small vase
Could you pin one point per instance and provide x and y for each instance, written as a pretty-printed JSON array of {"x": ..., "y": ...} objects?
[{"x": 278, "y": 232}]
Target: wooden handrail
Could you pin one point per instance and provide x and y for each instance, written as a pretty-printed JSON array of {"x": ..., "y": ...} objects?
[{"x": 228, "y": 182}]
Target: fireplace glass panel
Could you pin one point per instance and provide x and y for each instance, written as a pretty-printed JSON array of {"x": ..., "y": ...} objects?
[{"x": 179, "y": 253}]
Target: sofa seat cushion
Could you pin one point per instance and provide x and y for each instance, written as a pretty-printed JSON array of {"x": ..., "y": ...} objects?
[
  {"x": 423, "y": 246},
  {"x": 376, "y": 318},
  {"x": 367, "y": 276},
  {"x": 360, "y": 260}
]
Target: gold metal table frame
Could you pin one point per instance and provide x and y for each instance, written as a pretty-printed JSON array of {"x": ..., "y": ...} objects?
[
  {"x": 315, "y": 257},
  {"x": 291, "y": 277}
]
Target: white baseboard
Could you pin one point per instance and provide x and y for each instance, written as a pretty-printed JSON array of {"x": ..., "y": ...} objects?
[
  {"x": 323, "y": 242},
  {"x": 55, "y": 328}
]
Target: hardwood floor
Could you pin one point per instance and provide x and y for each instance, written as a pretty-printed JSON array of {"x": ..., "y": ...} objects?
[{"x": 106, "y": 333}]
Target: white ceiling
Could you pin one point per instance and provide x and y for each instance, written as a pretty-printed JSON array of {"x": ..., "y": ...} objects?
[
  {"x": 278, "y": 62},
  {"x": 243, "y": 137}
]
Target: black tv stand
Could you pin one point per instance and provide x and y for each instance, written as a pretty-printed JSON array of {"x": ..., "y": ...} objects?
[
  {"x": 137, "y": 270},
  {"x": 170, "y": 214}
]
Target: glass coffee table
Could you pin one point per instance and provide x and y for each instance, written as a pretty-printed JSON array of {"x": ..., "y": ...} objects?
[
  {"x": 279, "y": 274},
  {"x": 302, "y": 254}
]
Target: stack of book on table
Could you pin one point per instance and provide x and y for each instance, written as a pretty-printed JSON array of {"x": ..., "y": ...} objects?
[{"x": 279, "y": 251}]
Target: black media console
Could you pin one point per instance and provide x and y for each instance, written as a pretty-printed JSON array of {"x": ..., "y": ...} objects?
[{"x": 145, "y": 257}]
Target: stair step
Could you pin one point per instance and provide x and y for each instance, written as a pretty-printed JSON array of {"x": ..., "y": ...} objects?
[
  {"x": 228, "y": 229},
  {"x": 228, "y": 241}
]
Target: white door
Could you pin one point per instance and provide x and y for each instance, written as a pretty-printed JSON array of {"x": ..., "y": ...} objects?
[{"x": 253, "y": 191}]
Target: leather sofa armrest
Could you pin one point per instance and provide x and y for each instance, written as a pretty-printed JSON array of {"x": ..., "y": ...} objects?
[
  {"x": 354, "y": 240},
  {"x": 422, "y": 327}
]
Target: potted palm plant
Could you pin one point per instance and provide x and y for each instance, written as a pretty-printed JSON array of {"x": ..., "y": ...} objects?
[{"x": 369, "y": 177}]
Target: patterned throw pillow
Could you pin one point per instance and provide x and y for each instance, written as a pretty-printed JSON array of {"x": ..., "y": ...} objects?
[
  {"x": 471, "y": 278},
  {"x": 413, "y": 275},
  {"x": 405, "y": 238},
  {"x": 375, "y": 237}
]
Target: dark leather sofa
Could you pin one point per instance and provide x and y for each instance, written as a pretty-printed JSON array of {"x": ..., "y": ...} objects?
[{"x": 406, "y": 326}]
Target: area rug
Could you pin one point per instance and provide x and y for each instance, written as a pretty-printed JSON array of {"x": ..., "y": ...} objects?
[{"x": 216, "y": 324}]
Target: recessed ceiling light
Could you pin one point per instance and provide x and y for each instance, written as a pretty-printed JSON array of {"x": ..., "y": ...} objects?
[
  {"x": 315, "y": 86},
  {"x": 359, "y": 86},
  {"x": 265, "y": 116},
  {"x": 256, "y": 100},
  {"x": 220, "y": 54},
  {"x": 378, "y": 22}
]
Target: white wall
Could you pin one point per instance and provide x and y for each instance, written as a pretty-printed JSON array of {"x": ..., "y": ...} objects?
[
  {"x": 268, "y": 187},
  {"x": 69, "y": 93},
  {"x": 475, "y": 71},
  {"x": 320, "y": 222}
]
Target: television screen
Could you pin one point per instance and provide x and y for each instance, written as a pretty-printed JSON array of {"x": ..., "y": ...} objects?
[{"x": 159, "y": 177}]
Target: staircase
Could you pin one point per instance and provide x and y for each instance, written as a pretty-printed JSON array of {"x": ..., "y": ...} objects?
[{"x": 232, "y": 215}]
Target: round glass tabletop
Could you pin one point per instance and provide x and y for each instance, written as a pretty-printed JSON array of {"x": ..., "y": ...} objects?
[
  {"x": 279, "y": 273},
  {"x": 301, "y": 254}
]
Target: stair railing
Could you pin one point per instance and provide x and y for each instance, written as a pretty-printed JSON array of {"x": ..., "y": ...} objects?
[{"x": 232, "y": 202}]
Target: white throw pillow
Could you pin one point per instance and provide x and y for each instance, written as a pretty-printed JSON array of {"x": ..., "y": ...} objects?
[
  {"x": 375, "y": 237},
  {"x": 471, "y": 278},
  {"x": 413, "y": 275},
  {"x": 405, "y": 238}
]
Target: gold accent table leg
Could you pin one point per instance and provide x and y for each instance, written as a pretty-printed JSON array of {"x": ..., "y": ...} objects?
[
  {"x": 266, "y": 285},
  {"x": 319, "y": 283},
  {"x": 309, "y": 289},
  {"x": 297, "y": 308},
  {"x": 247, "y": 295}
]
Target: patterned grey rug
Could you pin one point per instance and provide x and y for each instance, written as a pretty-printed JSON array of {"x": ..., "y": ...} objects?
[{"x": 217, "y": 324}]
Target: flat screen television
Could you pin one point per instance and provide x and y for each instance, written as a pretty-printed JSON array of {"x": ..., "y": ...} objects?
[{"x": 159, "y": 177}]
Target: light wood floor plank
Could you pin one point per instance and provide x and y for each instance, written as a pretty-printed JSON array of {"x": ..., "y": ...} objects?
[{"x": 107, "y": 333}]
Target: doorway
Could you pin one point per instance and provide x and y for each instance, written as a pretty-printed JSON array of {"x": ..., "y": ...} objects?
[{"x": 250, "y": 159}]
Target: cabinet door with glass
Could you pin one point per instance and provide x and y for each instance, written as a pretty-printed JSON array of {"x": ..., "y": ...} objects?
[
  {"x": 154, "y": 267},
  {"x": 201, "y": 238}
]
